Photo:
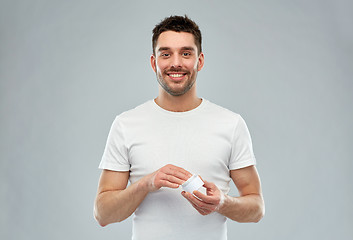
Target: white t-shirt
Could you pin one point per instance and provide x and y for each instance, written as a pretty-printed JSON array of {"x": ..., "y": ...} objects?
[{"x": 208, "y": 140}]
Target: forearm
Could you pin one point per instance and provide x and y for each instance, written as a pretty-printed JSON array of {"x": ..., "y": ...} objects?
[
  {"x": 117, "y": 205},
  {"x": 115, "y": 202},
  {"x": 248, "y": 208}
]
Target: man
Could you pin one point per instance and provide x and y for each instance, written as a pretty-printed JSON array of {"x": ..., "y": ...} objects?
[{"x": 160, "y": 144}]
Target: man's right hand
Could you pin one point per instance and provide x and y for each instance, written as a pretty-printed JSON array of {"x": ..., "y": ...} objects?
[
  {"x": 168, "y": 176},
  {"x": 116, "y": 202}
]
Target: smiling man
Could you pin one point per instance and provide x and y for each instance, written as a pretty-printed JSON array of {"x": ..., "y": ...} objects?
[
  {"x": 176, "y": 63},
  {"x": 160, "y": 144}
]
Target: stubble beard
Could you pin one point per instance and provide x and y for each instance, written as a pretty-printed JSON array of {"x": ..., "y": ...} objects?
[{"x": 188, "y": 85}]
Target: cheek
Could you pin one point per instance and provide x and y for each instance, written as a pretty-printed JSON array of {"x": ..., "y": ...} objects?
[
  {"x": 161, "y": 66},
  {"x": 194, "y": 66}
]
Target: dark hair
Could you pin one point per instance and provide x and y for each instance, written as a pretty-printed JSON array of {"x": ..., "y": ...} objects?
[{"x": 177, "y": 24}]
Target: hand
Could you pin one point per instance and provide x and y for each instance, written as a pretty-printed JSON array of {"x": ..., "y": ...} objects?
[
  {"x": 168, "y": 176},
  {"x": 206, "y": 204}
]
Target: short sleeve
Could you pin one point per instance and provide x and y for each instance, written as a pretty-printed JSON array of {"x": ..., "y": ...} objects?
[
  {"x": 115, "y": 156},
  {"x": 242, "y": 154}
]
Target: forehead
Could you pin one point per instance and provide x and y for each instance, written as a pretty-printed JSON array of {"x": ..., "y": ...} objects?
[{"x": 171, "y": 39}]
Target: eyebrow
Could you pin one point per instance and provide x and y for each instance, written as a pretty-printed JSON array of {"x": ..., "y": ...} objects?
[{"x": 183, "y": 48}]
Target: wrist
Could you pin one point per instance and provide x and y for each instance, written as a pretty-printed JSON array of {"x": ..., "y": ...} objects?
[
  {"x": 144, "y": 184},
  {"x": 224, "y": 203}
]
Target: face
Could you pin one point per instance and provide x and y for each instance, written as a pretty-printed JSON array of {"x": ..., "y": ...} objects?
[{"x": 176, "y": 62}]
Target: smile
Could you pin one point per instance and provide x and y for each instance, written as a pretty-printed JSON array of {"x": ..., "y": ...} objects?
[{"x": 176, "y": 75}]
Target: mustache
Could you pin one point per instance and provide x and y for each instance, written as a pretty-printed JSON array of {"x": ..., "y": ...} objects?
[{"x": 173, "y": 69}]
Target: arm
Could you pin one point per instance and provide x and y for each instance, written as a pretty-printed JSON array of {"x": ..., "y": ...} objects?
[
  {"x": 115, "y": 202},
  {"x": 248, "y": 207}
]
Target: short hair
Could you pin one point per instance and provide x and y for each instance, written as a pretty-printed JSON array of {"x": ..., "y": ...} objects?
[{"x": 177, "y": 24}]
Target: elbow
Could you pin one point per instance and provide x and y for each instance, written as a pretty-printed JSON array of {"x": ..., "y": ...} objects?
[
  {"x": 260, "y": 212},
  {"x": 101, "y": 221},
  {"x": 102, "y": 224},
  {"x": 259, "y": 217},
  {"x": 104, "y": 221}
]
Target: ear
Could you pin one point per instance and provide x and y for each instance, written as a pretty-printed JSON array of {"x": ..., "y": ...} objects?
[
  {"x": 153, "y": 63},
  {"x": 201, "y": 61}
]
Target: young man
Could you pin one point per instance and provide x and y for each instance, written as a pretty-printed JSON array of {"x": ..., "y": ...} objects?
[{"x": 160, "y": 144}]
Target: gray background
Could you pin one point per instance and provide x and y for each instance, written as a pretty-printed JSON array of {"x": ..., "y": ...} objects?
[{"x": 69, "y": 67}]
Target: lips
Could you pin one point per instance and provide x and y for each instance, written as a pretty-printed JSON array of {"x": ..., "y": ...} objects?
[{"x": 176, "y": 76}]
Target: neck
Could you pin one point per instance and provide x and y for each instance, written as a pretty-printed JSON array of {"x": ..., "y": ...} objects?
[{"x": 183, "y": 103}]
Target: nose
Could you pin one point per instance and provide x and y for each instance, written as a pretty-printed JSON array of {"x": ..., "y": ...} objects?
[{"x": 176, "y": 61}]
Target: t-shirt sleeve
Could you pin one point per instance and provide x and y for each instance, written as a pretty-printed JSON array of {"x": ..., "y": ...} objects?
[
  {"x": 242, "y": 154},
  {"x": 115, "y": 156}
]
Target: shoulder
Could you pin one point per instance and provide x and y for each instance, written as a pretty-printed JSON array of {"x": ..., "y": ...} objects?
[
  {"x": 132, "y": 116},
  {"x": 220, "y": 112},
  {"x": 137, "y": 112}
]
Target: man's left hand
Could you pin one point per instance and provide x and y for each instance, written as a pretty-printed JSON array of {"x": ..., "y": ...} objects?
[{"x": 206, "y": 204}]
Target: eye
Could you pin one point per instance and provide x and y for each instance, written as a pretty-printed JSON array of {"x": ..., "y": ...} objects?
[
  {"x": 186, "y": 54},
  {"x": 165, "y": 54}
]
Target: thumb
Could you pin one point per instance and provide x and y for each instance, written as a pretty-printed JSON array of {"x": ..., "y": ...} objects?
[
  {"x": 205, "y": 183},
  {"x": 208, "y": 185}
]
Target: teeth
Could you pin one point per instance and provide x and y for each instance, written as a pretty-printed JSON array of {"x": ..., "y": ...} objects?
[{"x": 176, "y": 75}]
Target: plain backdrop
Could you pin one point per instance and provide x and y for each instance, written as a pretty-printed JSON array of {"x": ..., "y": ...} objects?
[{"x": 67, "y": 68}]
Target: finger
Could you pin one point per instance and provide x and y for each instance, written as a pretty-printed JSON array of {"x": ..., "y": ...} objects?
[
  {"x": 200, "y": 210},
  {"x": 200, "y": 204},
  {"x": 173, "y": 167},
  {"x": 211, "y": 188},
  {"x": 163, "y": 180},
  {"x": 184, "y": 173},
  {"x": 168, "y": 184},
  {"x": 209, "y": 185},
  {"x": 190, "y": 197},
  {"x": 201, "y": 178},
  {"x": 177, "y": 172},
  {"x": 173, "y": 179},
  {"x": 207, "y": 199}
]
